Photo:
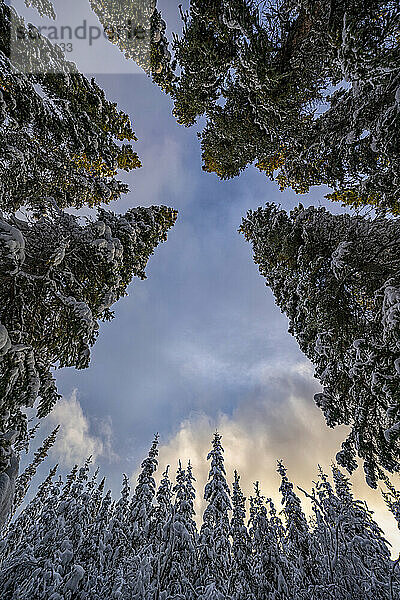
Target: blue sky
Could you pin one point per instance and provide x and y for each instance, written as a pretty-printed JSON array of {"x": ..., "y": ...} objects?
[
  {"x": 200, "y": 344},
  {"x": 185, "y": 339}
]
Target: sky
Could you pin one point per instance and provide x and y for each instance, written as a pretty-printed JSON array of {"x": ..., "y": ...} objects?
[{"x": 199, "y": 344}]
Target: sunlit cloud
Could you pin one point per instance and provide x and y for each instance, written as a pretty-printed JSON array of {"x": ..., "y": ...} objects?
[
  {"x": 76, "y": 440},
  {"x": 281, "y": 422}
]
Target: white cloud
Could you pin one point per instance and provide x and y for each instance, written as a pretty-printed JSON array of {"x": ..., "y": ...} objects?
[
  {"x": 75, "y": 440},
  {"x": 166, "y": 156},
  {"x": 202, "y": 362},
  {"x": 282, "y": 423},
  {"x": 221, "y": 363}
]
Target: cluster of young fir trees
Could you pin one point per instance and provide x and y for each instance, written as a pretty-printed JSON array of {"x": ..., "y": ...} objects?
[
  {"x": 307, "y": 90},
  {"x": 63, "y": 144},
  {"x": 79, "y": 543}
]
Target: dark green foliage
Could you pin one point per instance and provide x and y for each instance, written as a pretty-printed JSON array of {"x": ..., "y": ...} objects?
[
  {"x": 59, "y": 278},
  {"x": 308, "y": 90},
  {"x": 61, "y": 137},
  {"x": 337, "y": 278},
  {"x": 137, "y": 28}
]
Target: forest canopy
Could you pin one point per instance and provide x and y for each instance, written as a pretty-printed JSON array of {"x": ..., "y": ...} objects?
[
  {"x": 81, "y": 543},
  {"x": 306, "y": 90}
]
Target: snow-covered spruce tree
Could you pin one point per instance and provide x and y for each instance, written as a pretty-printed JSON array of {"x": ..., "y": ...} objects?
[
  {"x": 184, "y": 505},
  {"x": 29, "y": 568},
  {"x": 141, "y": 507},
  {"x": 337, "y": 278},
  {"x": 298, "y": 544},
  {"x": 363, "y": 548},
  {"x": 257, "y": 105},
  {"x": 263, "y": 75},
  {"x": 327, "y": 536},
  {"x": 118, "y": 547},
  {"x": 282, "y": 576},
  {"x": 242, "y": 575},
  {"x": 261, "y": 545},
  {"x": 141, "y": 510},
  {"x": 161, "y": 532},
  {"x": 72, "y": 542},
  {"x": 357, "y": 140},
  {"x": 59, "y": 278},
  {"x": 206, "y": 52},
  {"x": 354, "y": 553},
  {"x": 23, "y": 481},
  {"x": 271, "y": 572},
  {"x": 64, "y": 552},
  {"x": 95, "y": 548},
  {"x": 163, "y": 507},
  {"x": 178, "y": 550},
  {"x": 20, "y": 532},
  {"x": 214, "y": 563},
  {"x": 62, "y": 139},
  {"x": 65, "y": 565}
]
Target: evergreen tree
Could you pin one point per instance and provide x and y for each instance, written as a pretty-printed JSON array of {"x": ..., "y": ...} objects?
[
  {"x": 241, "y": 581},
  {"x": 179, "y": 545},
  {"x": 365, "y": 552},
  {"x": 206, "y": 52},
  {"x": 141, "y": 507},
  {"x": 32, "y": 570},
  {"x": 59, "y": 279},
  {"x": 23, "y": 481},
  {"x": 94, "y": 549},
  {"x": 337, "y": 279},
  {"x": 282, "y": 576},
  {"x": 138, "y": 30},
  {"x": 163, "y": 503},
  {"x": 264, "y": 76},
  {"x": 117, "y": 546},
  {"x": 161, "y": 532},
  {"x": 327, "y": 523},
  {"x": 185, "y": 503},
  {"x": 18, "y": 533},
  {"x": 271, "y": 576},
  {"x": 298, "y": 543},
  {"x": 214, "y": 543},
  {"x": 141, "y": 514},
  {"x": 60, "y": 134}
]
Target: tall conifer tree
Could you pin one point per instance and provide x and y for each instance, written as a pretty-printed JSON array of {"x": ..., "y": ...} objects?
[
  {"x": 305, "y": 89},
  {"x": 242, "y": 577},
  {"x": 336, "y": 277},
  {"x": 214, "y": 542}
]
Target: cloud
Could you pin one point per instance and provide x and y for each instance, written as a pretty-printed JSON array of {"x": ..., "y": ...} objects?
[
  {"x": 217, "y": 360},
  {"x": 195, "y": 361},
  {"x": 281, "y": 422},
  {"x": 166, "y": 156},
  {"x": 76, "y": 441}
]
